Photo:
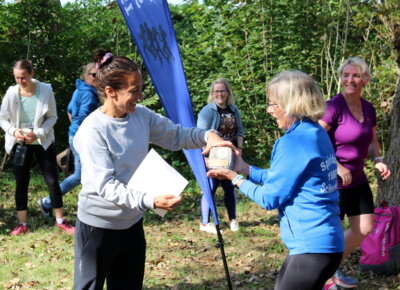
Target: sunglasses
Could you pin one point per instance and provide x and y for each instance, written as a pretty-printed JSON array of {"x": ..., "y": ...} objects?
[{"x": 92, "y": 74}]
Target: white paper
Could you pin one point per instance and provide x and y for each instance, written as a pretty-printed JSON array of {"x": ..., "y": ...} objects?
[{"x": 156, "y": 176}]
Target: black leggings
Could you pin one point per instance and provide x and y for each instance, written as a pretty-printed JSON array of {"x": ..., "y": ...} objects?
[
  {"x": 307, "y": 271},
  {"x": 48, "y": 165}
]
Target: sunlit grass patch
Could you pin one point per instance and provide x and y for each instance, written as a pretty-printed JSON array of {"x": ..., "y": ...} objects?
[{"x": 179, "y": 256}]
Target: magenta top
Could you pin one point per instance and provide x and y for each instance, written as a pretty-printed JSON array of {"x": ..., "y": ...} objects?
[{"x": 350, "y": 137}]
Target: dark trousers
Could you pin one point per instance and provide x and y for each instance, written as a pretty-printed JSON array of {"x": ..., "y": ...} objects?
[
  {"x": 117, "y": 256},
  {"x": 48, "y": 166},
  {"x": 229, "y": 199},
  {"x": 307, "y": 271}
]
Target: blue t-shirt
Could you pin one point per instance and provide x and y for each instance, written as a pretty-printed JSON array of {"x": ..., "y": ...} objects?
[{"x": 302, "y": 184}]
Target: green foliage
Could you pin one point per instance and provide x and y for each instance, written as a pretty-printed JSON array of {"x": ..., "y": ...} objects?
[
  {"x": 59, "y": 41},
  {"x": 246, "y": 42}
]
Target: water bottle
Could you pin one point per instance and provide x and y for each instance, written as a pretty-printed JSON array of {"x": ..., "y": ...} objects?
[{"x": 20, "y": 154}]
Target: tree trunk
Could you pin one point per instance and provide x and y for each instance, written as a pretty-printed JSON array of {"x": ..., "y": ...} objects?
[{"x": 390, "y": 189}]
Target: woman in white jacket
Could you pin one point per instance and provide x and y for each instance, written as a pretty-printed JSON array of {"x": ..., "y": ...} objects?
[{"x": 27, "y": 115}]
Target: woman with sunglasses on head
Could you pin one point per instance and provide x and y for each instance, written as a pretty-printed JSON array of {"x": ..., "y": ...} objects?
[
  {"x": 300, "y": 184},
  {"x": 28, "y": 114},
  {"x": 222, "y": 115},
  {"x": 352, "y": 126},
  {"x": 84, "y": 101}
]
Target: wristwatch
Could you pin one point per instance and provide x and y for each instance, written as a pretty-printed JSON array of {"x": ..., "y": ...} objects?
[{"x": 237, "y": 178}]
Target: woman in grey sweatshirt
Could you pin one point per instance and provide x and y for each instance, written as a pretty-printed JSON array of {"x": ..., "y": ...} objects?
[{"x": 112, "y": 142}]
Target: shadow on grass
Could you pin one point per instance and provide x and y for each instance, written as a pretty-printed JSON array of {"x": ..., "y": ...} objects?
[
  {"x": 189, "y": 210},
  {"x": 273, "y": 220},
  {"x": 257, "y": 280}
]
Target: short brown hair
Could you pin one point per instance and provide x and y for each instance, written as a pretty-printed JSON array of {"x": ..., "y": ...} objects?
[{"x": 24, "y": 64}]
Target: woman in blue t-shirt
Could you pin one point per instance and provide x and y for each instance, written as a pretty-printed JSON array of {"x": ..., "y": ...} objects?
[{"x": 301, "y": 183}]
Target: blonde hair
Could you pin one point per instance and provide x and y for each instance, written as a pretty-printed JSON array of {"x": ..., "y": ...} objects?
[
  {"x": 230, "y": 100},
  {"x": 360, "y": 64},
  {"x": 86, "y": 69},
  {"x": 297, "y": 94}
]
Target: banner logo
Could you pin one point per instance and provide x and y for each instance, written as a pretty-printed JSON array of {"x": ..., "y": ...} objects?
[
  {"x": 155, "y": 42},
  {"x": 150, "y": 24}
]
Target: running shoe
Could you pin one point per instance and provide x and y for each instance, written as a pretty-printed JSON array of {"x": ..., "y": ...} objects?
[
  {"x": 66, "y": 227},
  {"x": 19, "y": 230},
  {"x": 234, "y": 225},
  {"x": 344, "y": 281},
  {"x": 209, "y": 228},
  {"x": 331, "y": 286}
]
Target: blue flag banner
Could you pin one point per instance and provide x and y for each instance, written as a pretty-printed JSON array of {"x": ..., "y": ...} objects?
[{"x": 150, "y": 24}]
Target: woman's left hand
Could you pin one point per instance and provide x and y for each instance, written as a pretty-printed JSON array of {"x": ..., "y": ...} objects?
[
  {"x": 214, "y": 140},
  {"x": 383, "y": 170},
  {"x": 167, "y": 201},
  {"x": 222, "y": 174},
  {"x": 30, "y": 137}
]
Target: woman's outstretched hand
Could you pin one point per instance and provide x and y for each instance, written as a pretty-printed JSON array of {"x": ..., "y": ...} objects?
[
  {"x": 221, "y": 173},
  {"x": 214, "y": 140},
  {"x": 167, "y": 201},
  {"x": 226, "y": 174}
]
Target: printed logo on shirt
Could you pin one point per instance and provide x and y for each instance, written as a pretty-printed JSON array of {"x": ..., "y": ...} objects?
[
  {"x": 27, "y": 125},
  {"x": 227, "y": 127},
  {"x": 329, "y": 166}
]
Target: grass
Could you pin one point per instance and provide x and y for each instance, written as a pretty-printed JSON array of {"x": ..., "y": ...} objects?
[{"x": 178, "y": 255}]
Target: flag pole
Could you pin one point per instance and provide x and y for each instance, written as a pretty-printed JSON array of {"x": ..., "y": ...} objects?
[{"x": 220, "y": 245}]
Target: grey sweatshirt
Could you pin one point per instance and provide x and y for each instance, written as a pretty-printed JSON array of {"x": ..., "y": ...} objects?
[{"x": 111, "y": 149}]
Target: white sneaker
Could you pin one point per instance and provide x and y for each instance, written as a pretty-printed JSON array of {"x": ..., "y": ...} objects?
[
  {"x": 209, "y": 228},
  {"x": 234, "y": 225}
]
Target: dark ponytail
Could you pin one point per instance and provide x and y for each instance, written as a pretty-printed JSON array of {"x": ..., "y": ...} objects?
[{"x": 112, "y": 70}]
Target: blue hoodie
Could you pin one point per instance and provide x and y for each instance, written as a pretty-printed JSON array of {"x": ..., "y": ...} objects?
[
  {"x": 302, "y": 184},
  {"x": 84, "y": 101}
]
